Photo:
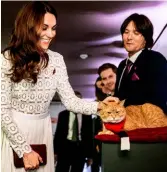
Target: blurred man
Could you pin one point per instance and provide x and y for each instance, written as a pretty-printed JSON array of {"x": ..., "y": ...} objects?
[
  {"x": 104, "y": 86},
  {"x": 107, "y": 72},
  {"x": 73, "y": 141}
]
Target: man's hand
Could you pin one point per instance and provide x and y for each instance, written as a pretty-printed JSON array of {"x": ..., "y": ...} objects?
[
  {"x": 55, "y": 158},
  {"x": 108, "y": 100}
]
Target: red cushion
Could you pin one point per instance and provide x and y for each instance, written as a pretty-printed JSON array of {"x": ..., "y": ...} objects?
[{"x": 139, "y": 135}]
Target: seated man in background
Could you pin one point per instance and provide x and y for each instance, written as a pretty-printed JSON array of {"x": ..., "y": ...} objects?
[{"x": 73, "y": 141}]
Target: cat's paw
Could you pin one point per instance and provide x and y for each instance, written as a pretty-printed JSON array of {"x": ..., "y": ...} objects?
[
  {"x": 106, "y": 132},
  {"x": 109, "y": 132},
  {"x": 100, "y": 133}
]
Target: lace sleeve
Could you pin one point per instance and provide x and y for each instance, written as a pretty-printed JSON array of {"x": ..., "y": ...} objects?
[
  {"x": 16, "y": 139},
  {"x": 66, "y": 93}
]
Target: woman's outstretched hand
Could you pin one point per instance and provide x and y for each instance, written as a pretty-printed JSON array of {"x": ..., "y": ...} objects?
[{"x": 108, "y": 100}]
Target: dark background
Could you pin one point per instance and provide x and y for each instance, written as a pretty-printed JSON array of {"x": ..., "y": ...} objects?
[{"x": 91, "y": 27}]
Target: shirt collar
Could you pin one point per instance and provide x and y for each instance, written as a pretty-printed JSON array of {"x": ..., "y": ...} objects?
[
  {"x": 72, "y": 113},
  {"x": 134, "y": 57}
]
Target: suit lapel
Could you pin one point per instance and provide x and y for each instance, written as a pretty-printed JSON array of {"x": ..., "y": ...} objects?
[
  {"x": 140, "y": 65},
  {"x": 66, "y": 117},
  {"x": 137, "y": 68}
]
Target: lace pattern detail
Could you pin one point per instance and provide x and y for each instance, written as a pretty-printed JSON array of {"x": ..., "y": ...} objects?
[
  {"x": 35, "y": 99},
  {"x": 17, "y": 140}
]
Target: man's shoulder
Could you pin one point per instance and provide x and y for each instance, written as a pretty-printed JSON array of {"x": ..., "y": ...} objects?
[
  {"x": 64, "y": 112},
  {"x": 87, "y": 117},
  {"x": 152, "y": 53},
  {"x": 154, "y": 56},
  {"x": 122, "y": 64}
]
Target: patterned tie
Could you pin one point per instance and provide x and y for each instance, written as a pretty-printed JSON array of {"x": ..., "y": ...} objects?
[
  {"x": 75, "y": 129},
  {"x": 125, "y": 72},
  {"x": 128, "y": 67}
]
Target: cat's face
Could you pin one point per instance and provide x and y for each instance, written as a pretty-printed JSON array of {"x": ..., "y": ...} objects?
[{"x": 113, "y": 113}]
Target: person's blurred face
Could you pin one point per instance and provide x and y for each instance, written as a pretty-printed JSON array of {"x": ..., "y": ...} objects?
[
  {"x": 108, "y": 79},
  {"x": 48, "y": 31},
  {"x": 132, "y": 39},
  {"x": 99, "y": 84}
]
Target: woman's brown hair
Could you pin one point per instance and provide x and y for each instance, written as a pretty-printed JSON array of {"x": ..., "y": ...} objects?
[{"x": 25, "y": 54}]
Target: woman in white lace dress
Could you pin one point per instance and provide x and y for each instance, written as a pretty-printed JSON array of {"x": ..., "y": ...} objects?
[{"x": 30, "y": 76}]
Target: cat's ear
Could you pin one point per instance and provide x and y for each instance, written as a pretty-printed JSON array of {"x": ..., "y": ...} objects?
[{"x": 122, "y": 102}]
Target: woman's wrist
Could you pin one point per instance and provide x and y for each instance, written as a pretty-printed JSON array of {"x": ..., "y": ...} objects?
[
  {"x": 27, "y": 150},
  {"x": 99, "y": 107},
  {"x": 25, "y": 154}
]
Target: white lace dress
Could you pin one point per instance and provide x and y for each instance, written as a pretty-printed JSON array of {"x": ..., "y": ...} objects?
[{"x": 25, "y": 118}]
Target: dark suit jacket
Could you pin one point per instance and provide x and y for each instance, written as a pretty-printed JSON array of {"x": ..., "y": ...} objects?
[
  {"x": 151, "y": 85},
  {"x": 60, "y": 139},
  {"x": 97, "y": 127}
]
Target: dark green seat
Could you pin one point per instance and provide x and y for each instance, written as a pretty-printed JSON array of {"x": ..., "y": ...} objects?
[{"x": 148, "y": 151}]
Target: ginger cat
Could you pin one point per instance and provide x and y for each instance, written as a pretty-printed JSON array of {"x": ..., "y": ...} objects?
[{"x": 136, "y": 116}]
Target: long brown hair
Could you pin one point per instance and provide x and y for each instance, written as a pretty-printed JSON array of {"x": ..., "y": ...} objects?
[{"x": 24, "y": 52}]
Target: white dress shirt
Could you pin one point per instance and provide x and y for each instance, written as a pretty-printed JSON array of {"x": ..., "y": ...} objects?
[{"x": 70, "y": 125}]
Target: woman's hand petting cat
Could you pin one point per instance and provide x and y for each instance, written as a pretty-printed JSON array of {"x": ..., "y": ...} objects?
[
  {"x": 108, "y": 100},
  {"x": 31, "y": 160}
]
